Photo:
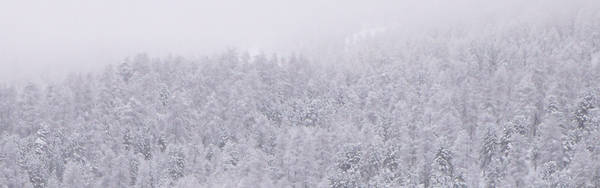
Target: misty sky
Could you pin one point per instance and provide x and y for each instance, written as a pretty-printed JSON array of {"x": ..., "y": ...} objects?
[{"x": 42, "y": 39}]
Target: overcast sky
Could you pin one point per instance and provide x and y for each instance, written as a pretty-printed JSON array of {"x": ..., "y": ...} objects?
[{"x": 41, "y": 39}]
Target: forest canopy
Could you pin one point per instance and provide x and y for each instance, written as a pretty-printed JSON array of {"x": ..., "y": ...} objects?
[{"x": 509, "y": 106}]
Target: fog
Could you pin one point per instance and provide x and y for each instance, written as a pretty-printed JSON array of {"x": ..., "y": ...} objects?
[
  {"x": 44, "y": 40},
  {"x": 332, "y": 93}
]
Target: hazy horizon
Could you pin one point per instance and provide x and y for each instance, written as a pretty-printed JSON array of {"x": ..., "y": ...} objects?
[{"x": 45, "y": 40}]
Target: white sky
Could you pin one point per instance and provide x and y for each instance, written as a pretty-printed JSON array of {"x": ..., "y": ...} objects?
[{"x": 45, "y": 39}]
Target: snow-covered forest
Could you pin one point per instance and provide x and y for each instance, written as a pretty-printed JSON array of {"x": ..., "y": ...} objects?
[{"x": 501, "y": 105}]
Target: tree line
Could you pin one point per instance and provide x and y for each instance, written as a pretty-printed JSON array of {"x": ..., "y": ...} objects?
[{"x": 502, "y": 107}]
